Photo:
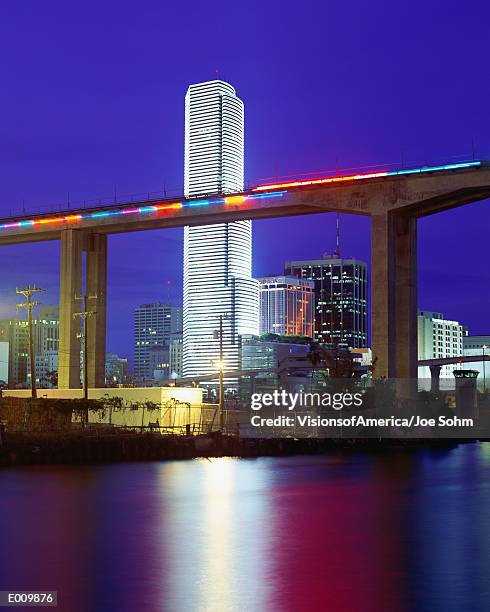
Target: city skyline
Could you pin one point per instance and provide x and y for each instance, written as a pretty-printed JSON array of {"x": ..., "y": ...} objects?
[{"x": 139, "y": 146}]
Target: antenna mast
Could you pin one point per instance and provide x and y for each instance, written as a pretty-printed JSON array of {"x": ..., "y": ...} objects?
[{"x": 337, "y": 238}]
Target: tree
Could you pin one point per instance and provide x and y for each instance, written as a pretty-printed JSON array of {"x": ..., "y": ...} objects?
[{"x": 50, "y": 378}]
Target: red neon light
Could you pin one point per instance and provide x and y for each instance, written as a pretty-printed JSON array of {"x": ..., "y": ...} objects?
[{"x": 323, "y": 181}]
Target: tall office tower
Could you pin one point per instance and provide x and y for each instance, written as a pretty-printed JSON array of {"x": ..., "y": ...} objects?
[
  {"x": 45, "y": 333},
  {"x": 340, "y": 298},
  {"x": 155, "y": 326},
  {"x": 217, "y": 258},
  {"x": 287, "y": 306}
]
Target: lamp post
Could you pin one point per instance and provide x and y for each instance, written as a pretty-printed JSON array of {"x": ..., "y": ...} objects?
[
  {"x": 483, "y": 348},
  {"x": 221, "y": 400}
]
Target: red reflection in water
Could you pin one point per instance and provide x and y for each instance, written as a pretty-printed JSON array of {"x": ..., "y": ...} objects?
[{"x": 337, "y": 545}]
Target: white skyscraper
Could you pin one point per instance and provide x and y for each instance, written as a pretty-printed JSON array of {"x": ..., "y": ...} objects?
[{"x": 217, "y": 258}]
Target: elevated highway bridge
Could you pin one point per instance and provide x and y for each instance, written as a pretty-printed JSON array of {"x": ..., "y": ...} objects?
[{"x": 393, "y": 199}]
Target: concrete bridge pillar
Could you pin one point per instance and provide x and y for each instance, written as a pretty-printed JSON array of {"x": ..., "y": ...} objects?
[
  {"x": 394, "y": 295},
  {"x": 70, "y": 288},
  {"x": 73, "y": 244},
  {"x": 435, "y": 376},
  {"x": 96, "y": 286}
]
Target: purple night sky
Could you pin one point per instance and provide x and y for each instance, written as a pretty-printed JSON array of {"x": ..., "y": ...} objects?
[{"x": 92, "y": 100}]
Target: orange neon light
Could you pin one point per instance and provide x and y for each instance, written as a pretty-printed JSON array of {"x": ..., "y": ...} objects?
[
  {"x": 235, "y": 199},
  {"x": 168, "y": 206}
]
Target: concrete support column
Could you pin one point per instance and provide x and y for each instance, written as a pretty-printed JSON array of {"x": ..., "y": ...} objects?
[
  {"x": 96, "y": 285},
  {"x": 406, "y": 286},
  {"x": 382, "y": 296},
  {"x": 70, "y": 287},
  {"x": 394, "y": 295},
  {"x": 435, "y": 375}
]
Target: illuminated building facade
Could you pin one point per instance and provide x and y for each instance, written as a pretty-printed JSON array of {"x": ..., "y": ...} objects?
[
  {"x": 287, "y": 306},
  {"x": 438, "y": 338},
  {"x": 175, "y": 358},
  {"x": 45, "y": 331},
  {"x": 155, "y": 326},
  {"x": 217, "y": 258},
  {"x": 340, "y": 287}
]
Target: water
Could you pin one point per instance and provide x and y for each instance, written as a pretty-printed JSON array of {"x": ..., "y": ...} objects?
[{"x": 344, "y": 532}]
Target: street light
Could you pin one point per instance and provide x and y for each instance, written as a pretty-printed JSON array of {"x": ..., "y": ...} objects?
[
  {"x": 220, "y": 365},
  {"x": 484, "y": 381}
]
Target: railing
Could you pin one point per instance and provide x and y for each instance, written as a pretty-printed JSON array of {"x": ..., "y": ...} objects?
[{"x": 117, "y": 198}]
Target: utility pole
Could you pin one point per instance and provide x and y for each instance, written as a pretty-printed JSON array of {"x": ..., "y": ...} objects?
[
  {"x": 484, "y": 377},
  {"x": 29, "y": 304},
  {"x": 337, "y": 238},
  {"x": 221, "y": 404},
  {"x": 221, "y": 390},
  {"x": 85, "y": 314}
]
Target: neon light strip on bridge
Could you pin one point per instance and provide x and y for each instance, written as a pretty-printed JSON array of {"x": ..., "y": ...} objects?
[
  {"x": 232, "y": 200},
  {"x": 235, "y": 200},
  {"x": 360, "y": 177}
]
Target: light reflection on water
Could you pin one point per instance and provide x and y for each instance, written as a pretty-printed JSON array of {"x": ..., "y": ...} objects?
[{"x": 347, "y": 531}]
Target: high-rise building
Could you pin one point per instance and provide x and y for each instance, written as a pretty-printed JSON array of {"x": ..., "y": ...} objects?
[
  {"x": 46, "y": 369},
  {"x": 176, "y": 355},
  {"x": 287, "y": 306},
  {"x": 340, "y": 298},
  {"x": 437, "y": 338},
  {"x": 155, "y": 326},
  {"x": 217, "y": 258},
  {"x": 159, "y": 357},
  {"x": 45, "y": 331}
]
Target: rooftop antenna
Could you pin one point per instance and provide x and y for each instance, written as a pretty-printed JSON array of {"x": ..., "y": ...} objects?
[{"x": 337, "y": 238}]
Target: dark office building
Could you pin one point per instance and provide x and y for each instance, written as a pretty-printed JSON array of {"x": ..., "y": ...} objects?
[
  {"x": 340, "y": 298},
  {"x": 155, "y": 327}
]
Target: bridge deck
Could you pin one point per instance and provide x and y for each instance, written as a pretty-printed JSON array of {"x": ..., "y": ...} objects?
[{"x": 418, "y": 191}]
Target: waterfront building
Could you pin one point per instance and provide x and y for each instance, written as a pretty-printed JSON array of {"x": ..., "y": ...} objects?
[
  {"x": 287, "y": 306},
  {"x": 272, "y": 362},
  {"x": 217, "y": 258},
  {"x": 477, "y": 346},
  {"x": 340, "y": 287},
  {"x": 155, "y": 326},
  {"x": 438, "y": 338}
]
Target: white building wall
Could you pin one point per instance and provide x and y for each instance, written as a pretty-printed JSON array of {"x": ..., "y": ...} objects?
[{"x": 439, "y": 338}]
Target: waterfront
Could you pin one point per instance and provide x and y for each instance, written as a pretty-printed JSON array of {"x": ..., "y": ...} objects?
[{"x": 400, "y": 530}]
